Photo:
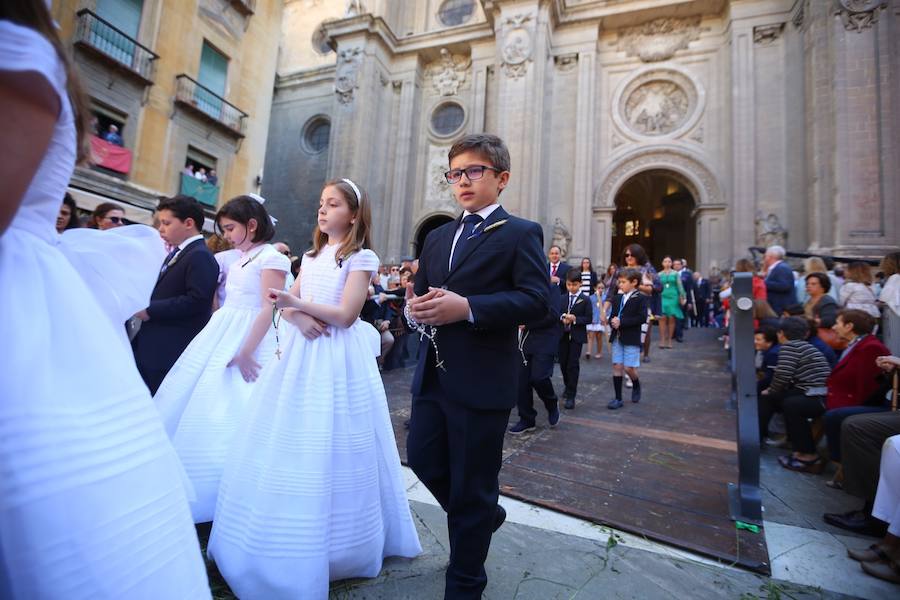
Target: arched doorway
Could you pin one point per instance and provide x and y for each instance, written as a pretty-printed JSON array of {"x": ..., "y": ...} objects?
[
  {"x": 656, "y": 210},
  {"x": 425, "y": 228}
]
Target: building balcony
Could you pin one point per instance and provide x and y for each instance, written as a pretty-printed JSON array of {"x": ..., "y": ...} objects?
[
  {"x": 209, "y": 105},
  {"x": 206, "y": 194},
  {"x": 247, "y": 7},
  {"x": 104, "y": 40},
  {"x": 110, "y": 156}
]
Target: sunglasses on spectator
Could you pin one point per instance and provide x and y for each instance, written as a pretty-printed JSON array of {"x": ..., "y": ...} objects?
[
  {"x": 628, "y": 254},
  {"x": 473, "y": 173},
  {"x": 395, "y": 269},
  {"x": 116, "y": 220}
]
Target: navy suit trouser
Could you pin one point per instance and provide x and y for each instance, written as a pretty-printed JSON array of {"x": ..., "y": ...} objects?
[
  {"x": 570, "y": 365},
  {"x": 535, "y": 376},
  {"x": 456, "y": 451}
]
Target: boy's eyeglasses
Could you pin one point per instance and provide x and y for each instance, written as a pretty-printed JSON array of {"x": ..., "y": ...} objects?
[{"x": 473, "y": 173}]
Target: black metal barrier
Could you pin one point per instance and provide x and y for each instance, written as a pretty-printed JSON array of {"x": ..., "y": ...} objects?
[
  {"x": 754, "y": 250},
  {"x": 744, "y": 497}
]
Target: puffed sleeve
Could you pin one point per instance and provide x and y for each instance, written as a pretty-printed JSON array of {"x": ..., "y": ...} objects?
[
  {"x": 23, "y": 49},
  {"x": 364, "y": 260},
  {"x": 272, "y": 259}
]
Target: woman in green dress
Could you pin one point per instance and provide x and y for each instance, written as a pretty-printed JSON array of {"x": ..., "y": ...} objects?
[{"x": 673, "y": 297}]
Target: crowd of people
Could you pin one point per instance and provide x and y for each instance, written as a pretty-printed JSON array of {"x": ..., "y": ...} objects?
[{"x": 245, "y": 388}]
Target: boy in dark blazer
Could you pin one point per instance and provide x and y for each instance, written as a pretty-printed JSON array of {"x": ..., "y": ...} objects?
[
  {"x": 479, "y": 277},
  {"x": 577, "y": 314},
  {"x": 181, "y": 302},
  {"x": 538, "y": 344},
  {"x": 628, "y": 313}
]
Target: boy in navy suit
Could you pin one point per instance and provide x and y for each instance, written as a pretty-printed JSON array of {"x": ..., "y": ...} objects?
[
  {"x": 628, "y": 313},
  {"x": 479, "y": 277},
  {"x": 538, "y": 344},
  {"x": 577, "y": 315},
  {"x": 181, "y": 302}
]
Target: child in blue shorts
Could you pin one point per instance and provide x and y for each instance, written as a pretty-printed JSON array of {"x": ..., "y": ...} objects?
[{"x": 628, "y": 311}]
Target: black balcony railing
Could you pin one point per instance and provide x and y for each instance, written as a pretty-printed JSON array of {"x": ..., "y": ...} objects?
[
  {"x": 194, "y": 95},
  {"x": 104, "y": 38},
  {"x": 248, "y": 7}
]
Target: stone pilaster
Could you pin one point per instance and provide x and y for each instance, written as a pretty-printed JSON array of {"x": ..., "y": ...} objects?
[{"x": 743, "y": 139}]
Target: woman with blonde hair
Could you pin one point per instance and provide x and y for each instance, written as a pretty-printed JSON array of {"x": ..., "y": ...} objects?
[{"x": 857, "y": 291}]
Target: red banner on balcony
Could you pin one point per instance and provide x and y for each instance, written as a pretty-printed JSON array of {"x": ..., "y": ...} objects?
[{"x": 109, "y": 156}]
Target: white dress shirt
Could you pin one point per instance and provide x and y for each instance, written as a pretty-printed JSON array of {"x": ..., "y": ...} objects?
[{"x": 484, "y": 213}]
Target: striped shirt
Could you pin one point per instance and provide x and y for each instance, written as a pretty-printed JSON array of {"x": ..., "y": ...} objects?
[
  {"x": 586, "y": 283},
  {"x": 800, "y": 365}
]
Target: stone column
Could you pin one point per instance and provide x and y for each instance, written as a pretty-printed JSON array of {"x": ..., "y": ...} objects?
[
  {"x": 743, "y": 144},
  {"x": 601, "y": 235},
  {"x": 402, "y": 164},
  {"x": 585, "y": 136}
]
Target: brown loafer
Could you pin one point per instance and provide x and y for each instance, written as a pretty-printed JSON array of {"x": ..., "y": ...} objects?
[
  {"x": 873, "y": 553},
  {"x": 888, "y": 571}
]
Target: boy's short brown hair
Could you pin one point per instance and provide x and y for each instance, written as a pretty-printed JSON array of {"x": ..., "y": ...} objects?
[
  {"x": 491, "y": 146},
  {"x": 631, "y": 274}
]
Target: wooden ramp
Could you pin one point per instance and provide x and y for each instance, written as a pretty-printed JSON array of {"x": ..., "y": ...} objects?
[{"x": 659, "y": 468}]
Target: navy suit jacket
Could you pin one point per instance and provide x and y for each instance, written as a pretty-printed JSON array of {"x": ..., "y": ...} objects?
[
  {"x": 180, "y": 306},
  {"x": 634, "y": 314},
  {"x": 543, "y": 334},
  {"x": 687, "y": 282},
  {"x": 561, "y": 269},
  {"x": 780, "y": 288},
  {"x": 502, "y": 273},
  {"x": 703, "y": 290},
  {"x": 584, "y": 314}
]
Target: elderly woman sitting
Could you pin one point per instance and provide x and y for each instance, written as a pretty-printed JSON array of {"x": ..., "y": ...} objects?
[
  {"x": 820, "y": 307},
  {"x": 855, "y": 385}
]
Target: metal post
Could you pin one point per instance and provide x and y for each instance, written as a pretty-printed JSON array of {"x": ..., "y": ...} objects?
[{"x": 745, "y": 497}]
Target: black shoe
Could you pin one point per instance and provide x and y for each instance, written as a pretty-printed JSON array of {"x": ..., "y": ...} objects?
[
  {"x": 553, "y": 416},
  {"x": 614, "y": 404},
  {"x": 857, "y": 521},
  {"x": 499, "y": 518},
  {"x": 521, "y": 427},
  {"x": 679, "y": 340},
  {"x": 635, "y": 395},
  {"x": 646, "y": 359},
  {"x": 570, "y": 403}
]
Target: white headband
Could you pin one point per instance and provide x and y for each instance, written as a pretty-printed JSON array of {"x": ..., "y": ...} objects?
[
  {"x": 355, "y": 190},
  {"x": 262, "y": 201}
]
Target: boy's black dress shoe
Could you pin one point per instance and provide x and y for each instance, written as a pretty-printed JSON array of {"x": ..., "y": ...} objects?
[
  {"x": 553, "y": 416},
  {"x": 614, "y": 404},
  {"x": 499, "y": 518},
  {"x": 570, "y": 403},
  {"x": 635, "y": 395},
  {"x": 521, "y": 427}
]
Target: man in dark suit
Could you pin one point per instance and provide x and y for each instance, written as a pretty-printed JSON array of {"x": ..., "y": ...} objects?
[
  {"x": 779, "y": 280},
  {"x": 479, "y": 277},
  {"x": 181, "y": 302},
  {"x": 687, "y": 282},
  {"x": 557, "y": 268},
  {"x": 578, "y": 313},
  {"x": 538, "y": 344},
  {"x": 702, "y": 293}
]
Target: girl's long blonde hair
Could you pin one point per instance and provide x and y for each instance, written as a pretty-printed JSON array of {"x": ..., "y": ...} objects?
[{"x": 359, "y": 236}]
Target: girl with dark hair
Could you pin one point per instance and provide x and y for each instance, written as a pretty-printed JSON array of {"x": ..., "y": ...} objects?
[
  {"x": 588, "y": 276},
  {"x": 93, "y": 503},
  {"x": 316, "y": 448},
  {"x": 68, "y": 214},
  {"x": 203, "y": 397},
  {"x": 107, "y": 216}
]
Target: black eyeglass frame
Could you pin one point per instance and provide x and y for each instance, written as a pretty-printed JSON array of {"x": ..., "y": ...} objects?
[{"x": 477, "y": 171}]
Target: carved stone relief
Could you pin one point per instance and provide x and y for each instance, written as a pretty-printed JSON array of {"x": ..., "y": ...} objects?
[
  {"x": 438, "y": 196},
  {"x": 767, "y": 34},
  {"x": 656, "y": 107},
  {"x": 659, "y": 39},
  {"x": 769, "y": 231},
  {"x": 566, "y": 62},
  {"x": 799, "y": 17},
  {"x": 345, "y": 80},
  {"x": 517, "y": 45},
  {"x": 859, "y": 15},
  {"x": 354, "y": 8},
  {"x": 561, "y": 237},
  {"x": 448, "y": 73}
]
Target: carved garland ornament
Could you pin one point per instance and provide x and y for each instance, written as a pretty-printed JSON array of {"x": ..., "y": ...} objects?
[
  {"x": 517, "y": 44},
  {"x": 348, "y": 64},
  {"x": 438, "y": 196},
  {"x": 658, "y": 102},
  {"x": 659, "y": 39},
  {"x": 448, "y": 73},
  {"x": 858, "y": 15}
]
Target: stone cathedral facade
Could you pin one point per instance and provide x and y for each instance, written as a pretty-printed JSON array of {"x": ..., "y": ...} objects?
[{"x": 697, "y": 128}]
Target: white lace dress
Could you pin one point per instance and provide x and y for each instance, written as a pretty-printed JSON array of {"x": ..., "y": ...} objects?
[
  {"x": 312, "y": 491},
  {"x": 92, "y": 501},
  {"x": 202, "y": 400}
]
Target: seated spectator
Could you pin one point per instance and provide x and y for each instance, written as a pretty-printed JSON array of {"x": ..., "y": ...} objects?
[
  {"x": 820, "y": 307},
  {"x": 855, "y": 386},
  {"x": 882, "y": 560},
  {"x": 106, "y": 216},
  {"x": 796, "y": 310},
  {"x": 112, "y": 136},
  {"x": 765, "y": 340},
  {"x": 68, "y": 214},
  {"x": 763, "y": 315},
  {"x": 856, "y": 293},
  {"x": 379, "y": 314},
  {"x": 798, "y": 390}
]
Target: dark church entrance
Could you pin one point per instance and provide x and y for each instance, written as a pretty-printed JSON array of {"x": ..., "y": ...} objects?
[
  {"x": 425, "y": 228},
  {"x": 654, "y": 209}
]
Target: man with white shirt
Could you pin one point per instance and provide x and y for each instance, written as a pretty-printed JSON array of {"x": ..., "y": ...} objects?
[
  {"x": 181, "y": 302},
  {"x": 558, "y": 268}
]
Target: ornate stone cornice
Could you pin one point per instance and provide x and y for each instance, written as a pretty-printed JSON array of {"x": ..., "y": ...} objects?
[
  {"x": 659, "y": 39},
  {"x": 765, "y": 35},
  {"x": 859, "y": 15}
]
